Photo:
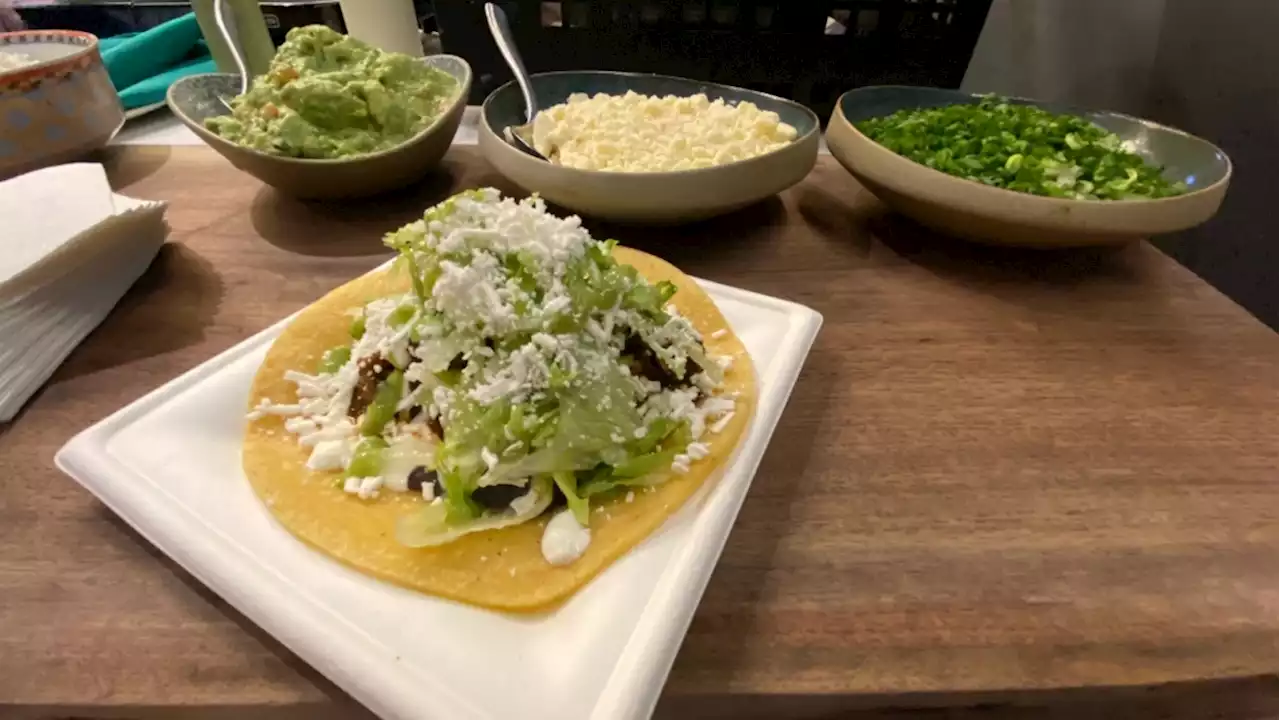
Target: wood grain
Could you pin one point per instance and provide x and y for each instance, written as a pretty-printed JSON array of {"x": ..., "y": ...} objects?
[{"x": 999, "y": 471}]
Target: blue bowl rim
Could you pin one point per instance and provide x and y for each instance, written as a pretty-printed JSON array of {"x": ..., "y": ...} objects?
[
  {"x": 1063, "y": 108},
  {"x": 817, "y": 123},
  {"x": 464, "y": 86}
]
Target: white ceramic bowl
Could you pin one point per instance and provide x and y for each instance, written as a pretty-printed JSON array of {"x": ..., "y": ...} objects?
[{"x": 660, "y": 197}]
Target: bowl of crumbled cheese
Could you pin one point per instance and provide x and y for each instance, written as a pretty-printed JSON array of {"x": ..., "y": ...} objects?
[
  {"x": 56, "y": 101},
  {"x": 649, "y": 148}
]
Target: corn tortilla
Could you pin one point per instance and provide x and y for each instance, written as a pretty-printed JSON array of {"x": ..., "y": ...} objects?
[{"x": 500, "y": 569}]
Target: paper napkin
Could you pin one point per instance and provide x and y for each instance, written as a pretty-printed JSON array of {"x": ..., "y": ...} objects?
[{"x": 72, "y": 248}]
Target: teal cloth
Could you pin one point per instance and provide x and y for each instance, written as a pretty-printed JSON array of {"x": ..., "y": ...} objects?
[{"x": 143, "y": 65}]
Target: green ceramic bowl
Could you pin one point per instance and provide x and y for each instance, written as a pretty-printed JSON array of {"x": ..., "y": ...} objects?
[
  {"x": 660, "y": 197},
  {"x": 980, "y": 212}
]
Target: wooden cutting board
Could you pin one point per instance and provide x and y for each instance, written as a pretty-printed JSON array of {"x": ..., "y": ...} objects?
[{"x": 1000, "y": 470}]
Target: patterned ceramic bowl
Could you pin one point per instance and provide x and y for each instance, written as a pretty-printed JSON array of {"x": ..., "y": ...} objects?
[{"x": 56, "y": 101}]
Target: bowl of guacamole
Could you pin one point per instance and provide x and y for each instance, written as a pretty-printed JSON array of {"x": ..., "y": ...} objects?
[{"x": 332, "y": 116}]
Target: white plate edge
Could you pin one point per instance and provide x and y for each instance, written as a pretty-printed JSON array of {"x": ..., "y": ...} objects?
[
  {"x": 396, "y": 698},
  {"x": 670, "y": 609}
]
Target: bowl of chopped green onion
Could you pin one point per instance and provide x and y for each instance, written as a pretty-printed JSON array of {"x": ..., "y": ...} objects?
[{"x": 1023, "y": 172}]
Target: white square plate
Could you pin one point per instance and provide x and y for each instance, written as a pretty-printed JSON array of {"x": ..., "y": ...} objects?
[{"x": 169, "y": 464}]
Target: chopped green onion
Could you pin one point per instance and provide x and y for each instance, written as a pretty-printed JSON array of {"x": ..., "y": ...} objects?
[
  {"x": 366, "y": 461},
  {"x": 334, "y": 358},
  {"x": 1022, "y": 148},
  {"x": 383, "y": 407}
]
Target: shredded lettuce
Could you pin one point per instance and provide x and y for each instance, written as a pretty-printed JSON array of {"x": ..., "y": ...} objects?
[
  {"x": 524, "y": 345},
  {"x": 578, "y": 505}
]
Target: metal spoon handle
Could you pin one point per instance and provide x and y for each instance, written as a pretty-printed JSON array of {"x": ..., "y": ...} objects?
[
  {"x": 501, "y": 32},
  {"x": 224, "y": 17}
]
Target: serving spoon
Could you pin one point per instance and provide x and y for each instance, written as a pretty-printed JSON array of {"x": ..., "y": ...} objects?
[
  {"x": 225, "y": 20},
  {"x": 501, "y": 31}
]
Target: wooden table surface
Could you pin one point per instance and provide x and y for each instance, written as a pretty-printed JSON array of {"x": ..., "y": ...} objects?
[{"x": 1004, "y": 476}]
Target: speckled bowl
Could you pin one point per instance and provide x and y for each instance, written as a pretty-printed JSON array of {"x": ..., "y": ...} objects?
[
  {"x": 59, "y": 108},
  {"x": 195, "y": 98},
  {"x": 661, "y": 197},
  {"x": 987, "y": 214}
]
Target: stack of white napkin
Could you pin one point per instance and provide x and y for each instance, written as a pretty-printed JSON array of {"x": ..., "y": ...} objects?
[{"x": 69, "y": 249}]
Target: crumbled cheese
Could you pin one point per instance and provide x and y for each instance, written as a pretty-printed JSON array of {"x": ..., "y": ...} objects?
[
  {"x": 719, "y": 334},
  {"x": 475, "y": 294},
  {"x": 717, "y": 404},
  {"x": 266, "y": 407},
  {"x": 557, "y": 304},
  {"x": 597, "y": 331},
  {"x": 369, "y": 487},
  {"x": 722, "y": 423},
  {"x": 504, "y": 225},
  {"x": 641, "y": 133},
  {"x": 330, "y": 455},
  {"x": 301, "y": 425},
  {"x": 631, "y": 496},
  {"x": 340, "y": 429}
]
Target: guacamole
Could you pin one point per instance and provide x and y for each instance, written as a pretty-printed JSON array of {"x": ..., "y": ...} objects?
[{"x": 327, "y": 95}]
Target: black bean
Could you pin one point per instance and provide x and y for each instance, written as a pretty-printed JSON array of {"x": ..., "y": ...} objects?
[
  {"x": 433, "y": 423},
  {"x": 420, "y": 476},
  {"x": 645, "y": 363},
  {"x": 408, "y": 414},
  {"x": 691, "y": 368},
  {"x": 498, "y": 497}
]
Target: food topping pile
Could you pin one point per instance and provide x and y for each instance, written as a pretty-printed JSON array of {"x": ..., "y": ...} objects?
[
  {"x": 642, "y": 133},
  {"x": 1023, "y": 148},
  {"x": 329, "y": 96}
]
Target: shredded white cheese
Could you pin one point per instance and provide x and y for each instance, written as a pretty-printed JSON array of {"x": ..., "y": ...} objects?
[{"x": 642, "y": 133}]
